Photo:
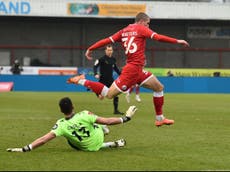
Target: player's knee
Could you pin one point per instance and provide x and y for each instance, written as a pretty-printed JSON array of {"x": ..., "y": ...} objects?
[
  {"x": 109, "y": 96},
  {"x": 159, "y": 88}
]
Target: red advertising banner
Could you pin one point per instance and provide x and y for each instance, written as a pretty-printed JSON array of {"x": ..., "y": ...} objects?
[
  {"x": 57, "y": 72},
  {"x": 6, "y": 86}
]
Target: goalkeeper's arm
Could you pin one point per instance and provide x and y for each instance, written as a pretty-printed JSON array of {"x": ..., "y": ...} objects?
[
  {"x": 38, "y": 142},
  {"x": 114, "y": 120}
]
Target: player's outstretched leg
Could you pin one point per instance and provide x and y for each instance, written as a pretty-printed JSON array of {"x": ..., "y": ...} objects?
[{"x": 96, "y": 87}]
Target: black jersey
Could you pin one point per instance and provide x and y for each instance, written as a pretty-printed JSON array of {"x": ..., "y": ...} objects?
[{"x": 106, "y": 65}]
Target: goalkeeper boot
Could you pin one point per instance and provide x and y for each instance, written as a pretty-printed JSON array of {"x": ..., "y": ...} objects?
[
  {"x": 75, "y": 79},
  {"x": 120, "y": 143},
  {"x": 165, "y": 121}
]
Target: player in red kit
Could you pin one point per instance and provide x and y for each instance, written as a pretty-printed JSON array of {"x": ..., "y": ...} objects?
[
  {"x": 133, "y": 39},
  {"x": 137, "y": 91}
]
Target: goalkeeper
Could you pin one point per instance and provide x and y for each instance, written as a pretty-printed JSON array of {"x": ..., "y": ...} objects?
[{"x": 83, "y": 130}]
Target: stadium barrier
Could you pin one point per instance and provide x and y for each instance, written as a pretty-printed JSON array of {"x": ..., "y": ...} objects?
[
  {"x": 172, "y": 84},
  {"x": 217, "y": 57}
]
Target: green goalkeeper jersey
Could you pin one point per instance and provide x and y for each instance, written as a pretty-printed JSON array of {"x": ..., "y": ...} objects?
[{"x": 81, "y": 131}]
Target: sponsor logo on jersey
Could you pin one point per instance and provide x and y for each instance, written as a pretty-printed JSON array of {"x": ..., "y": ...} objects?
[{"x": 55, "y": 127}]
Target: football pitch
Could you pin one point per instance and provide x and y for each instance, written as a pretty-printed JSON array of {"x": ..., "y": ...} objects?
[{"x": 199, "y": 139}]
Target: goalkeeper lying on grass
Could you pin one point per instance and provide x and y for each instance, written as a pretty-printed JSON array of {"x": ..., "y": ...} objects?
[{"x": 83, "y": 130}]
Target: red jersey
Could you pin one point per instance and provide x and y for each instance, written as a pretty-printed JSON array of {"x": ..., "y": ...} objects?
[{"x": 133, "y": 39}]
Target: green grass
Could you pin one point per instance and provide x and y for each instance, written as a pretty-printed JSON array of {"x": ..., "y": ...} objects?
[{"x": 199, "y": 139}]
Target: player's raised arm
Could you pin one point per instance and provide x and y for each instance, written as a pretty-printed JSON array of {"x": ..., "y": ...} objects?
[
  {"x": 163, "y": 38},
  {"x": 98, "y": 44}
]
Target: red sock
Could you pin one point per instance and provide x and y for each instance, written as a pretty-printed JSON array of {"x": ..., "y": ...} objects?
[
  {"x": 158, "y": 104},
  {"x": 137, "y": 89},
  {"x": 96, "y": 87},
  {"x": 130, "y": 90}
]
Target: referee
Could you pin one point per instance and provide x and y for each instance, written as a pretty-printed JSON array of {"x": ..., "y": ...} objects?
[{"x": 107, "y": 64}]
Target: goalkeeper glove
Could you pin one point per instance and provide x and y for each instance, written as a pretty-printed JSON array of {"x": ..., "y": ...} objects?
[
  {"x": 26, "y": 148},
  {"x": 14, "y": 150},
  {"x": 129, "y": 113}
]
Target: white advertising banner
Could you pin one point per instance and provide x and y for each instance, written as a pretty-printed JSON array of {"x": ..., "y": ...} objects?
[
  {"x": 63, "y": 8},
  {"x": 33, "y": 8},
  {"x": 34, "y": 70},
  {"x": 115, "y": 9}
]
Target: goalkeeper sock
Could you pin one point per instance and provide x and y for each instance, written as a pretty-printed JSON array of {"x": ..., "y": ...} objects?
[{"x": 108, "y": 145}]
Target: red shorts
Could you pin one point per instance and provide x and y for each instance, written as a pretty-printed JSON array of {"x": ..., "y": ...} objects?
[{"x": 131, "y": 75}]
